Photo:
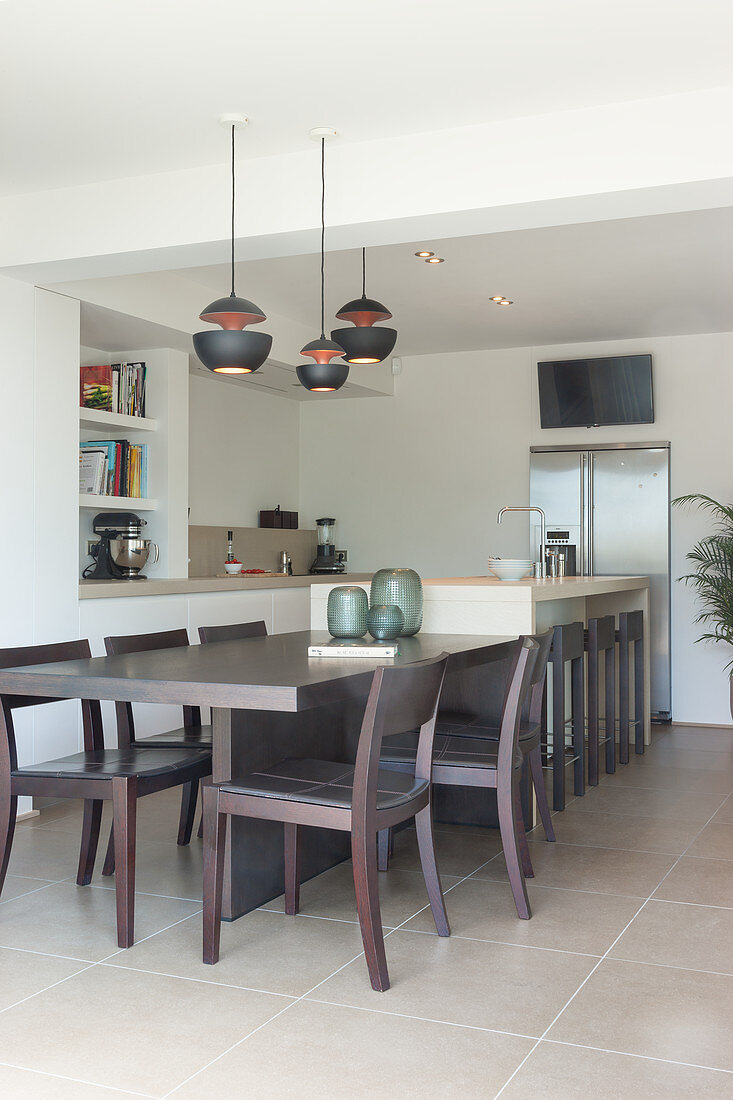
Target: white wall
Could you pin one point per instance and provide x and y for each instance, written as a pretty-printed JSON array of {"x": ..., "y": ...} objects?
[
  {"x": 417, "y": 479},
  {"x": 243, "y": 453}
]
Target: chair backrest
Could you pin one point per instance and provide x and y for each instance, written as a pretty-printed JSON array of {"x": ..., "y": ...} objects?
[
  {"x": 537, "y": 678},
  {"x": 19, "y": 656},
  {"x": 515, "y": 696},
  {"x": 233, "y": 632},
  {"x": 145, "y": 643},
  {"x": 401, "y": 698}
]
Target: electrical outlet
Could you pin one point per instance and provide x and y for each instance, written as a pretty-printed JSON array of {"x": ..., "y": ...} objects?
[
  {"x": 342, "y": 556},
  {"x": 92, "y": 545}
]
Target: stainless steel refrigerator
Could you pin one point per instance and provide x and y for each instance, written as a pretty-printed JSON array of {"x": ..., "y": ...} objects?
[{"x": 611, "y": 502}]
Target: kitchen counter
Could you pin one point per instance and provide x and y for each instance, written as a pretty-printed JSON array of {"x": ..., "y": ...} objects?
[{"x": 176, "y": 586}]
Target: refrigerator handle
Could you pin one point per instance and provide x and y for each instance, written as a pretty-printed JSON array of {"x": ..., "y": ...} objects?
[
  {"x": 590, "y": 514},
  {"x": 582, "y": 514}
]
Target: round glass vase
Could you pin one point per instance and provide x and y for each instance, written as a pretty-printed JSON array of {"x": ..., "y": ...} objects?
[
  {"x": 346, "y": 612},
  {"x": 403, "y": 587},
  {"x": 385, "y": 621}
]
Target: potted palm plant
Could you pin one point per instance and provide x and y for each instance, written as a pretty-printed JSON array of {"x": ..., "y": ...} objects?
[{"x": 712, "y": 579}]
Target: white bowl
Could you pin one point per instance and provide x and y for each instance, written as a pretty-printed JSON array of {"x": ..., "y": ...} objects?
[
  {"x": 233, "y": 567},
  {"x": 510, "y": 569}
]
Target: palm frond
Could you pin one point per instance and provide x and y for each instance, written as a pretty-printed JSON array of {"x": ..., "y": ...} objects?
[{"x": 712, "y": 580}]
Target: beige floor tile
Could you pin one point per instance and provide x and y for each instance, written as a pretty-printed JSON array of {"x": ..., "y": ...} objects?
[
  {"x": 566, "y": 920},
  {"x": 705, "y": 881},
  {"x": 645, "y": 802},
  {"x": 601, "y": 870},
  {"x": 23, "y": 974},
  {"x": 262, "y": 950},
  {"x": 458, "y": 853},
  {"x": 697, "y": 762},
  {"x": 80, "y": 921},
  {"x": 51, "y": 854},
  {"x": 141, "y": 1032},
  {"x": 673, "y": 934},
  {"x": 25, "y": 1084},
  {"x": 331, "y": 1051},
  {"x": 576, "y": 1073},
  {"x": 165, "y": 869},
  {"x": 662, "y": 776},
  {"x": 472, "y": 982},
  {"x": 658, "y": 1011},
  {"x": 15, "y": 886},
  {"x": 640, "y": 834},
  {"x": 714, "y": 842},
  {"x": 699, "y": 738},
  {"x": 401, "y": 894},
  {"x": 725, "y": 813}
]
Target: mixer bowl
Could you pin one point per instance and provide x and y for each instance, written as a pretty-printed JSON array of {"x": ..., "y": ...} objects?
[{"x": 132, "y": 555}]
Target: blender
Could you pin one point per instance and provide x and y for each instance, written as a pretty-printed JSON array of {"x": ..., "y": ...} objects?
[{"x": 325, "y": 560}]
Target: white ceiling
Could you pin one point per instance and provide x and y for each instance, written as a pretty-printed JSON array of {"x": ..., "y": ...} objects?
[
  {"x": 662, "y": 275},
  {"x": 96, "y": 90}
]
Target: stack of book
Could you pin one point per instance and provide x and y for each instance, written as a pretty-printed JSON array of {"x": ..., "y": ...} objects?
[
  {"x": 115, "y": 387},
  {"x": 113, "y": 468}
]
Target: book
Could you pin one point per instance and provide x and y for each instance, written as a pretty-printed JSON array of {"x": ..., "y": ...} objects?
[
  {"x": 355, "y": 648},
  {"x": 92, "y": 470},
  {"x": 123, "y": 471},
  {"x": 95, "y": 387}
]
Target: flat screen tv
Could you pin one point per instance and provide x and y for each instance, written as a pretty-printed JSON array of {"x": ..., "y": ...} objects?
[{"x": 586, "y": 393}]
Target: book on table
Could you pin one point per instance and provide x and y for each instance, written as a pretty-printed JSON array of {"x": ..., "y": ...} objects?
[{"x": 355, "y": 647}]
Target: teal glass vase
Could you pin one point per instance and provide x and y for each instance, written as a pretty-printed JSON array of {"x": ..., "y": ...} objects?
[
  {"x": 404, "y": 588},
  {"x": 385, "y": 621},
  {"x": 346, "y": 611}
]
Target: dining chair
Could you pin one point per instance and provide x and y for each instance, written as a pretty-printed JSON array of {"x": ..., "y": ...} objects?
[
  {"x": 232, "y": 632},
  {"x": 191, "y": 733},
  {"x": 121, "y": 775},
  {"x": 358, "y": 798},
  {"x": 460, "y": 760}
]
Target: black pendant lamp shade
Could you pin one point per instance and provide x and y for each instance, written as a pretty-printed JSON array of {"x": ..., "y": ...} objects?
[
  {"x": 364, "y": 343},
  {"x": 232, "y": 350},
  {"x": 322, "y": 376}
]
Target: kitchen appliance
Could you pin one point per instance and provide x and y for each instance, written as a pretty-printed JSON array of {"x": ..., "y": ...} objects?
[
  {"x": 285, "y": 563},
  {"x": 121, "y": 553},
  {"x": 558, "y": 544},
  {"x": 325, "y": 560},
  {"x": 608, "y": 507}
]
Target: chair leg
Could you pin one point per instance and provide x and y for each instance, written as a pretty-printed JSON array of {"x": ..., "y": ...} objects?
[
  {"x": 89, "y": 840},
  {"x": 593, "y": 710},
  {"x": 214, "y": 841},
  {"x": 534, "y": 758},
  {"x": 610, "y": 712},
  {"x": 200, "y": 833},
  {"x": 623, "y": 697},
  {"x": 522, "y": 840},
  {"x": 292, "y": 868},
  {"x": 108, "y": 867},
  {"x": 366, "y": 884},
  {"x": 506, "y": 797},
  {"x": 124, "y": 805},
  {"x": 189, "y": 796},
  {"x": 8, "y": 811},
  {"x": 384, "y": 849},
  {"x": 426, "y": 847}
]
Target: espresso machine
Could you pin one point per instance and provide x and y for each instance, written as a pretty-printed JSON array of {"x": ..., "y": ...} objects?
[
  {"x": 325, "y": 560},
  {"x": 121, "y": 553}
]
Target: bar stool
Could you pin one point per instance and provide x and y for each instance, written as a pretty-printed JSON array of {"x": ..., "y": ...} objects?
[
  {"x": 630, "y": 630},
  {"x": 600, "y": 638},
  {"x": 568, "y": 644}
]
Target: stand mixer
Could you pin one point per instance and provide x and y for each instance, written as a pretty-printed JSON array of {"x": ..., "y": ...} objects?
[{"x": 121, "y": 553}]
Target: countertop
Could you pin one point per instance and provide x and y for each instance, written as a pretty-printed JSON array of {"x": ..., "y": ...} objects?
[{"x": 175, "y": 586}]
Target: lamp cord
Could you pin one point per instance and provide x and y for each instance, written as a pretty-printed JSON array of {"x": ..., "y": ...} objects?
[
  {"x": 363, "y": 272},
  {"x": 323, "y": 238},
  {"x": 233, "y": 210}
]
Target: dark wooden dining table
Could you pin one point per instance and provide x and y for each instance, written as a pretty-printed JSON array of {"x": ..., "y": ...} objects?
[{"x": 270, "y": 700}]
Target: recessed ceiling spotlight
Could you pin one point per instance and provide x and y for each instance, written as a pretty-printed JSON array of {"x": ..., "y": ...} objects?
[
  {"x": 424, "y": 255},
  {"x": 497, "y": 298},
  {"x": 505, "y": 302},
  {"x": 435, "y": 260}
]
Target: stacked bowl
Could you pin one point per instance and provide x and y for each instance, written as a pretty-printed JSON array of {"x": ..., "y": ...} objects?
[{"x": 510, "y": 569}]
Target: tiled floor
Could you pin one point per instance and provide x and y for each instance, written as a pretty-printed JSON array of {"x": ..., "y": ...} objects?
[{"x": 620, "y": 986}]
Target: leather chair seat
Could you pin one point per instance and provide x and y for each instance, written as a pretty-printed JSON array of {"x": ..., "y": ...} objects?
[
  {"x": 454, "y": 751},
  {"x": 484, "y": 729},
  {"x": 108, "y": 763},
  {"x": 184, "y": 735},
  {"x": 324, "y": 783}
]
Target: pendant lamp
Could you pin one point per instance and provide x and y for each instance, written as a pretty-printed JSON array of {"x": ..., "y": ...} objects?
[
  {"x": 322, "y": 376},
  {"x": 364, "y": 344},
  {"x": 232, "y": 350}
]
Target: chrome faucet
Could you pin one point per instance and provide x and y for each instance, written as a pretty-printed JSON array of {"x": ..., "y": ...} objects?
[{"x": 543, "y": 563}]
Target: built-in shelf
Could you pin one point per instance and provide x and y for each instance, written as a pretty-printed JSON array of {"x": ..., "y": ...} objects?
[
  {"x": 96, "y": 419},
  {"x": 127, "y": 504}
]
